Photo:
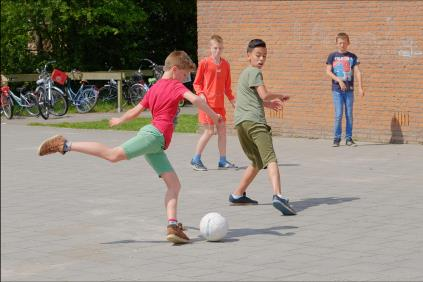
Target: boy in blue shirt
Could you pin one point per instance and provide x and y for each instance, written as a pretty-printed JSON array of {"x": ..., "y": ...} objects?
[{"x": 342, "y": 67}]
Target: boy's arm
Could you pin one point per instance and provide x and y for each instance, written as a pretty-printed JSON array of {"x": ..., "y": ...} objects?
[
  {"x": 198, "y": 83},
  {"x": 228, "y": 87},
  {"x": 357, "y": 74},
  {"x": 267, "y": 96},
  {"x": 129, "y": 115},
  {"x": 334, "y": 77},
  {"x": 200, "y": 103}
]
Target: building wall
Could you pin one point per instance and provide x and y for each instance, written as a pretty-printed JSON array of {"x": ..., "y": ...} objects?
[{"x": 387, "y": 36}]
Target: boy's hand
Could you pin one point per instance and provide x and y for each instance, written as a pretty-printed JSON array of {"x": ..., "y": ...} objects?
[
  {"x": 275, "y": 104},
  {"x": 284, "y": 98},
  {"x": 361, "y": 91},
  {"x": 342, "y": 85},
  {"x": 232, "y": 103},
  {"x": 114, "y": 122}
]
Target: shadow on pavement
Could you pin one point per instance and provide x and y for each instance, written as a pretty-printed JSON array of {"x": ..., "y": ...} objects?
[
  {"x": 240, "y": 232},
  {"x": 312, "y": 202},
  {"x": 231, "y": 237},
  {"x": 244, "y": 167}
]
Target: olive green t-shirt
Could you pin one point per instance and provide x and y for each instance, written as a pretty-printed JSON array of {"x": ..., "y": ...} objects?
[{"x": 249, "y": 105}]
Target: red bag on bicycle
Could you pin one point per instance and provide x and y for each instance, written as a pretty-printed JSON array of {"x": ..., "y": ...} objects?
[{"x": 59, "y": 76}]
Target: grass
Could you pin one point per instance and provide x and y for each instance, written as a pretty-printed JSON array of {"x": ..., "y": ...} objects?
[{"x": 186, "y": 124}]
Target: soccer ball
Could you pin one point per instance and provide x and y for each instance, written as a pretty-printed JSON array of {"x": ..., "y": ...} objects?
[{"x": 213, "y": 226}]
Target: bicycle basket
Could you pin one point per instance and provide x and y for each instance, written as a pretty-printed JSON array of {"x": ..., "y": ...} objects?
[
  {"x": 59, "y": 76},
  {"x": 5, "y": 90}
]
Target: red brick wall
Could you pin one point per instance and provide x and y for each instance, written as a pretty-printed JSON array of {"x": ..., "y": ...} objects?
[{"x": 387, "y": 36}]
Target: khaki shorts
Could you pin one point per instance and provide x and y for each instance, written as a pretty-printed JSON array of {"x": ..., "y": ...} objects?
[
  {"x": 256, "y": 142},
  {"x": 149, "y": 142}
]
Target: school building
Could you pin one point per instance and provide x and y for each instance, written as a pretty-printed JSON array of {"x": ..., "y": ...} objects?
[{"x": 387, "y": 36}]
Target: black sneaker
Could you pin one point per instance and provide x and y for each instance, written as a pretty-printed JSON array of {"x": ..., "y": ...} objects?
[
  {"x": 350, "y": 142},
  {"x": 283, "y": 205},
  {"x": 244, "y": 200},
  {"x": 336, "y": 142}
]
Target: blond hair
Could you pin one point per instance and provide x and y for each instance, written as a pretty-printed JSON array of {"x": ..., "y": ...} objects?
[
  {"x": 180, "y": 59},
  {"x": 342, "y": 35},
  {"x": 216, "y": 38}
]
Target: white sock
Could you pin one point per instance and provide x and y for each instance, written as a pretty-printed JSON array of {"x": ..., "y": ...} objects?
[{"x": 236, "y": 197}]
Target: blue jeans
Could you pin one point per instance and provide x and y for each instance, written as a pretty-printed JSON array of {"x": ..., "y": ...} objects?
[{"x": 343, "y": 99}]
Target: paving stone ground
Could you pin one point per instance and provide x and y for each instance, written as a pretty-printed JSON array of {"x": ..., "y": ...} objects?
[{"x": 79, "y": 218}]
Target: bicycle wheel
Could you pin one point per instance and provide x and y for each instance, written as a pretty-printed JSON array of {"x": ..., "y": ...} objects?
[
  {"x": 7, "y": 106},
  {"x": 107, "y": 93},
  {"x": 31, "y": 104},
  {"x": 43, "y": 104},
  {"x": 136, "y": 93},
  {"x": 59, "y": 104},
  {"x": 87, "y": 100}
]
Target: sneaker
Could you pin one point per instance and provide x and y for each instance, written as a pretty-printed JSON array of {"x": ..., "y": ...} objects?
[
  {"x": 199, "y": 166},
  {"x": 226, "y": 165},
  {"x": 52, "y": 145},
  {"x": 350, "y": 142},
  {"x": 244, "y": 200},
  {"x": 175, "y": 234},
  {"x": 336, "y": 142},
  {"x": 283, "y": 205}
]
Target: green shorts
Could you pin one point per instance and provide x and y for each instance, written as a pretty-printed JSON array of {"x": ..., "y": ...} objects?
[
  {"x": 256, "y": 142},
  {"x": 149, "y": 142}
]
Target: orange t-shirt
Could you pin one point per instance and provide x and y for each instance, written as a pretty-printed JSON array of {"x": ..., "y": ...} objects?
[{"x": 214, "y": 81}]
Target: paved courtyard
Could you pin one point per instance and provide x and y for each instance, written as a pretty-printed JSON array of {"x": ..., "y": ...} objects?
[{"x": 79, "y": 218}]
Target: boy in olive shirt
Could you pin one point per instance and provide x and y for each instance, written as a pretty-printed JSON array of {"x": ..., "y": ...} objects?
[{"x": 253, "y": 132}]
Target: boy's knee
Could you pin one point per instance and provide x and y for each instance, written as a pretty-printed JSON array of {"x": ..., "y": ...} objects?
[{"x": 116, "y": 155}]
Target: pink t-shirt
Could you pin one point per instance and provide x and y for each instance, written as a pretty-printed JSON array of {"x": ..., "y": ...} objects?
[{"x": 162, "y": 100}]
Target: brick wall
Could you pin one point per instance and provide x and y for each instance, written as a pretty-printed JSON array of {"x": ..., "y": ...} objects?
[{"x": 387, "y": 36}]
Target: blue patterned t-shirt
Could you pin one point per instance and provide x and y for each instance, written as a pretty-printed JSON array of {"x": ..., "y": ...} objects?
[{"x": 343, "y": 67}]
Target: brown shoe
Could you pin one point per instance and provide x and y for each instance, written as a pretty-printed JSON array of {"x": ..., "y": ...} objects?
[
  {"x": 52, "y": 145},
  {"x": 176, "y": 234}
]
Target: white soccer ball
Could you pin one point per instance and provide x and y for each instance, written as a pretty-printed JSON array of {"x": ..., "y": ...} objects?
[{"x": 213, "y": 226}]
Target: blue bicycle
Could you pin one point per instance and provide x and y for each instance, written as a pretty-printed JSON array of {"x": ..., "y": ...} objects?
[
  {"x": 26, "y": 100},
  {"x": 85, "y": 98}
]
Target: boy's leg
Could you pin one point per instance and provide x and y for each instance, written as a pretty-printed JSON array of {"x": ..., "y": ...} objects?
[
  {"x": 275, "y": 178},
  {"x": 160, "y": 163},
  {"x": 196, "y": 162},
  {"x": 204, "y": 138},
  {"x": 171, "y": 197},
  {"x": 349, "y": 102},
  {"x": 248, "y": 177},
  {"x": 338, "y": 107},
  {"x": 175, "y": 231},
  {"x": 100, "y": 150},
  {"x": 58, "y": 144},
  {"x": 221, "y": 143}
]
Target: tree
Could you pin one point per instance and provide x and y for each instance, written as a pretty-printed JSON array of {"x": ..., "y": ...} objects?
[{"x": 87, "y": 34}]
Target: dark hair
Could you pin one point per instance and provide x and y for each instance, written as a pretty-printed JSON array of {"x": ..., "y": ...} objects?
[{"x": 255, "y": 43}]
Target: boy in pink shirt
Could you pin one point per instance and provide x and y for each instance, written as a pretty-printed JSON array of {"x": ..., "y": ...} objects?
[
  {"x": 162, "y": 100},
  {"x": 212, "y": 82}
]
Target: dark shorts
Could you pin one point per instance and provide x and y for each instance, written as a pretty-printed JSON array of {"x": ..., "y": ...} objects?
[{"x": 256, "y": 142}]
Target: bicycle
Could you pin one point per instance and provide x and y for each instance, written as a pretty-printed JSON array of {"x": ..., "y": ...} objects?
[
  {"x": 132, "y": 89},
  {"x": 84, "y": 99},
  {"x": 139, "y": 89},
  {"x": 26, "y": 100},
  {"x": 51, "y": 99}
]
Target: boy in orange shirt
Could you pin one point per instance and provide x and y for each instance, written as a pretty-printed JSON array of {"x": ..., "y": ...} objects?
[{"x": 212, "y": 82}]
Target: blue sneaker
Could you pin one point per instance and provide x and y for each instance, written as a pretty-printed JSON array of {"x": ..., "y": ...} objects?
[
  {"x": 226, "y": 165},
  {"x": 244, "y": 200},
  {"x": 199, "y": 166},
  {"x": 283, "y": 205}
]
